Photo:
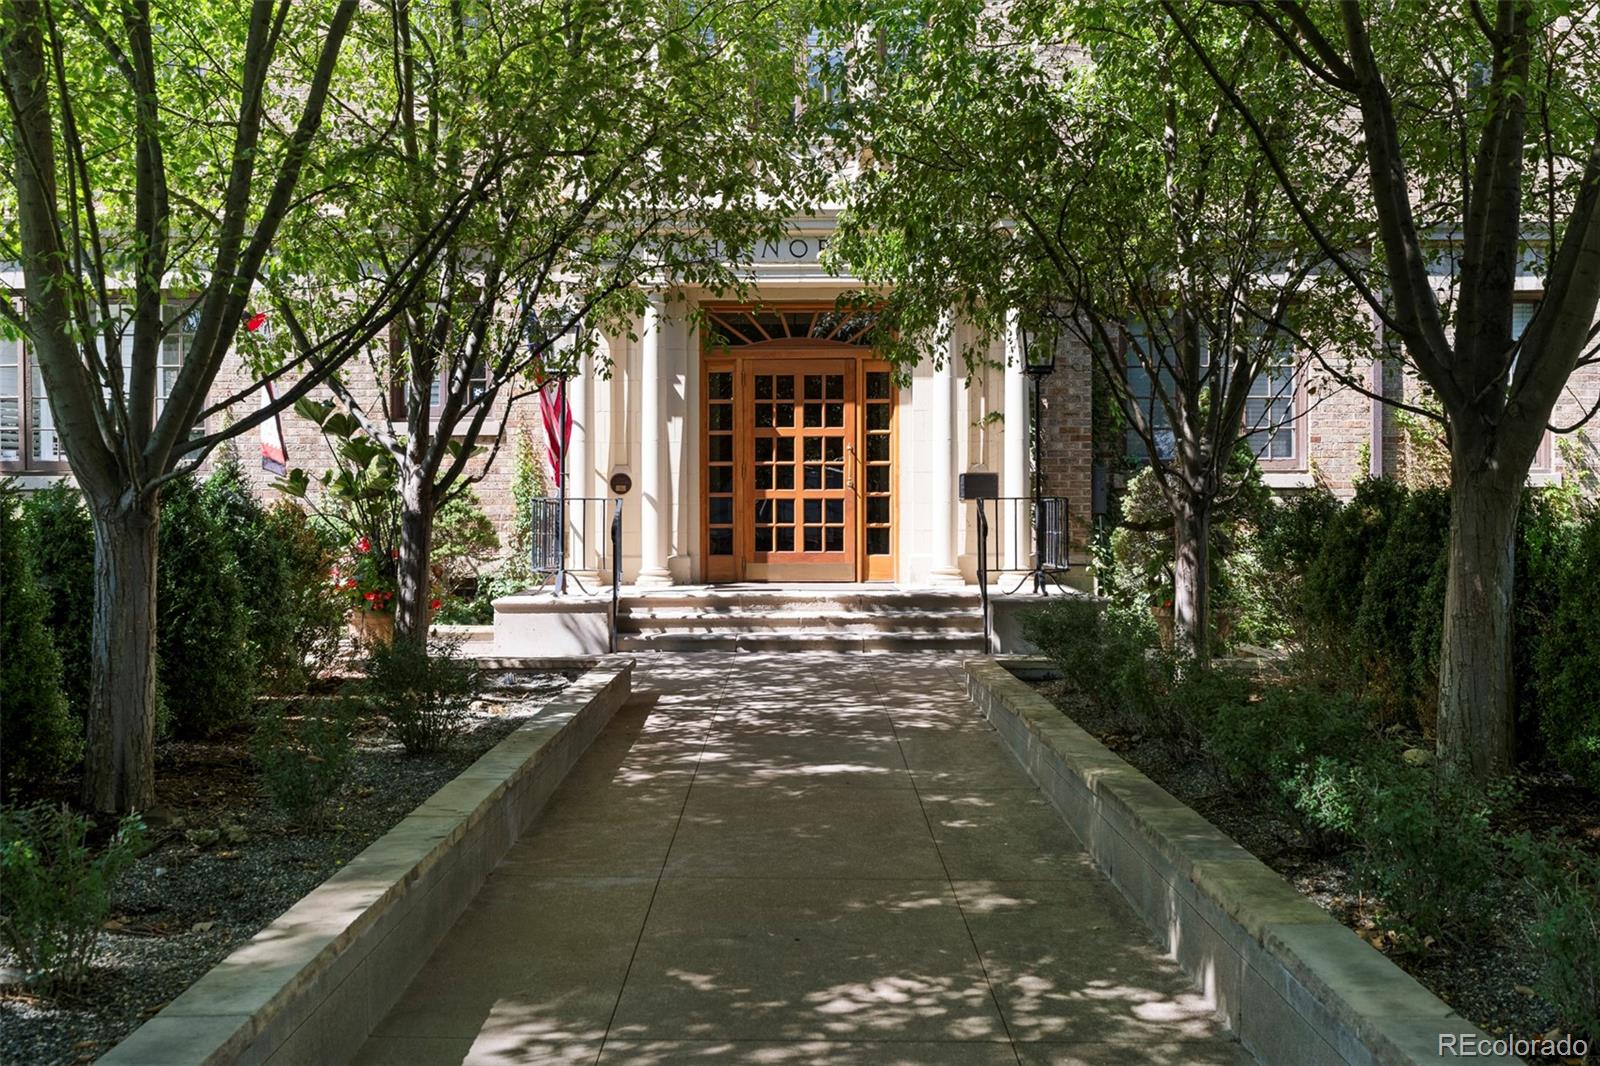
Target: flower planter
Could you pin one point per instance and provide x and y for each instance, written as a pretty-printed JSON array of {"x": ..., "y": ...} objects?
[
  {"x": 1221, "y": 628},
  {"x": 371, "y": 627},
  {"x": 1162, "y": 613}
]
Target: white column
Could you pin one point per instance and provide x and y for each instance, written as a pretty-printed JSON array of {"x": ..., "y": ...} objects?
[
  {"x": 580, "y": 470},
  {"x": 678, "y": 393},
  {"x": 654, "y": 508},
  {"x": 941, "y": 491},
  {"x": 1014, "y": 466}
]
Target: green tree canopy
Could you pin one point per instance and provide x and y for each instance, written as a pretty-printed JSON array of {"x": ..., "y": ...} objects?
[
  {"x": 1473, "y": 132},
  {"x": 1067, "y": 167},
  {"x": 646, "y": 144}
]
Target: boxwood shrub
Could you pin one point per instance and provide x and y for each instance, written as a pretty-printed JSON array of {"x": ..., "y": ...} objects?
[
  {"x": 39, "y": 738},
  {"x": 206, "y": 665},
  {"x": 1566, "y": 675},
  {"x": 63, "y": 551}
]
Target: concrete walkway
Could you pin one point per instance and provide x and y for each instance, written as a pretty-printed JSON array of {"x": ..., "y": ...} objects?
[{"x": 798, "y": 859}]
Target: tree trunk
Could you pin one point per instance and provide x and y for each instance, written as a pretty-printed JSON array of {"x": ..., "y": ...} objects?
[
  {"x": 1191, "y": 580},
  {"x": 416, "y": 556},
  {"x": 119, "y": 767},
  {"x": 1475, "y": 727}
]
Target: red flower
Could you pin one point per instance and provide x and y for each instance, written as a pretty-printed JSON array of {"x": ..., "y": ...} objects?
[
  {"x": 434, "y": 606},
  {"x": 372, "y": 595},
  {"x": 394, "y": 553},
  {"x": 350, "y": 583},
  {"x": 363, "y": 545},
  {"x": 255, "y": 321}
]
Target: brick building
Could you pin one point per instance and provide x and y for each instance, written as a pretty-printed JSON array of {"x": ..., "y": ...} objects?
[{"x": 768, "y": 442}]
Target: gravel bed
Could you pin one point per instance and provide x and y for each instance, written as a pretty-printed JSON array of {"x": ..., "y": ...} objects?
[
  {"x": 1489, "y": 981},
  {"x": 194, "y": 897}
]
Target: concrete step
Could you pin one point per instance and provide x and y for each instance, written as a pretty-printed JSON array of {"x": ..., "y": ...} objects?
[
  {"x": 924, "y": 640},
  {"x": 470, "y": 636},
  {"x": 804, "y": 618},
  {"x": 691, "y": 619},
  {"x": 730, "y": 600}
]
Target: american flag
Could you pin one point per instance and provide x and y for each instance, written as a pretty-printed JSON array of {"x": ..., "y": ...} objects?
[{"x": 557, "y": 422}]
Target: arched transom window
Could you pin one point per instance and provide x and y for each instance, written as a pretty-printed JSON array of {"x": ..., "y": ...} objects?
[{"x": 740, "y": 327}]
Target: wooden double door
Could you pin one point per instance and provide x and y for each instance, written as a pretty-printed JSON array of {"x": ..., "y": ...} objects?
[{"x": 799, "y": 469}]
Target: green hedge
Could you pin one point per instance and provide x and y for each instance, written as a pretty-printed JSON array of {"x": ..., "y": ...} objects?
[
  {"x": 1566, "y": 663},
  {"x": 206, "y": 665},
  {"x": 1336, "y": 576},
  {"x": 39, "y": 737},
  {"x": 1363, "y": 584},
  {"x": 1420, "y": 836},
  {"x": 244, "y": 601},
  {"x": 1366, "y": 585},
  {"x": 293, "y": 618},
  {"x": 63, "y": 549},
  {"x": 1399, "y": 600}
]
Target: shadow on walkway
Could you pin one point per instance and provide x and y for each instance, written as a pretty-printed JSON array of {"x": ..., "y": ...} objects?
[{"x": 799, "y": 859}]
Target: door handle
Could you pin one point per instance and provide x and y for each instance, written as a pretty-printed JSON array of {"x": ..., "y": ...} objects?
[{"x": 850, "y": 465}]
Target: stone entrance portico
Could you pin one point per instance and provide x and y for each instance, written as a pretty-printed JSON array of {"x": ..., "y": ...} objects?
[
  {"x": 799, "y": 859},
  {"x": 768, "y": 440}
]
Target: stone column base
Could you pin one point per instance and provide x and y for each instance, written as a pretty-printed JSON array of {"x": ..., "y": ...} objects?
[{"x": 657, "y": 578}]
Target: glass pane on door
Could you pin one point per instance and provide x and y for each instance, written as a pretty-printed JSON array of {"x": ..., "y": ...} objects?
[{"x": 802, "y": 433}]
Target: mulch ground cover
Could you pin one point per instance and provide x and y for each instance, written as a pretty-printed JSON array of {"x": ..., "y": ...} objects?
[
  {"x": 223, "y": 863},
  {"x": 1488, "y": 980}
]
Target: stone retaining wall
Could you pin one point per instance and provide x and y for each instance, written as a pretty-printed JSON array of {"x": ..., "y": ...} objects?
[
  {"x": 309, "y": 987},
  {"x": 1296, "y": 986}
]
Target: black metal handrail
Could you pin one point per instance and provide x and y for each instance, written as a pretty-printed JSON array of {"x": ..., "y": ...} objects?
[
  {"x": 1047, "y": 538},
  {"x": 549, "y": 534},
  {"x": 551, "y": 553},
  {"x": 1016, "y": 535},
  {"x": 616, "y": 569}
]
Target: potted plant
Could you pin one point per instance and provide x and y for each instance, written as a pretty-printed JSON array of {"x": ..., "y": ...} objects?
[
  {"x": 368, "y": 581},
  {"x": 358, "y": 502}
]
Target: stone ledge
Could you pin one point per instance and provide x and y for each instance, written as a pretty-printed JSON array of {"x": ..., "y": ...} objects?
[
  {"x": 1293, "y": 983},
  {"x": 309, "y": 987},
  {"x": 577, "y": 624}
]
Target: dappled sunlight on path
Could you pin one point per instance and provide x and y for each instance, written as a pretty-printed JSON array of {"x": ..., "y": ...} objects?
[{"x": 799, "y": 859}]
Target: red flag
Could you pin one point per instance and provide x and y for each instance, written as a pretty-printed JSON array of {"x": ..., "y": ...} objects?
[
  {"x": 557, "y": 422},
  {"x": 274, "y": 453}
]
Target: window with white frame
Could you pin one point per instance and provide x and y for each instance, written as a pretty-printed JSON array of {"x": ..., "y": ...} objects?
[
  {"x": 44, "y": 443},
  {"x": 119, "y": 315},
  {"x": 182, "y": 321},
  {"x": 1269, "y": 411},
  {"x": 1522, "y": 312},
  {"x": 1270, "y": 407},
  {"x": 1140, "y": 354},
  {"x": 477, "y": 385},
  {"x": 28, "y": 437},
  {"x": 825, "y": 73},
  {"x": 11, "y": 370},
  {"x": 174, "y": 348}
]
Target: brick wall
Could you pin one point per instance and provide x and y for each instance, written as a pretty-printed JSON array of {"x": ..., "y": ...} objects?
[
  {"x": 308, "y": 450},
  {"x": 1067, "y": 450},
  {"x": 1575, "y": 454},
  {"x": 1337, "y": 429}
]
